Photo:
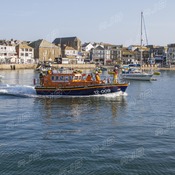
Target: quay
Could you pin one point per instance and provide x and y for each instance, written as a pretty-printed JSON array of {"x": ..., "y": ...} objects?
[
  {"x": 33, "y": 66},
  {"x": 74, "y": 66}
]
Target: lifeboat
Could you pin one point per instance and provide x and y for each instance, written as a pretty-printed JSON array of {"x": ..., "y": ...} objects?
[{"x": 76, "y": 84}]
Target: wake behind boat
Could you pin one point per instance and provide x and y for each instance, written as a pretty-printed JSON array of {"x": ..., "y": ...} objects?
[{"x": 77, "y": 84}]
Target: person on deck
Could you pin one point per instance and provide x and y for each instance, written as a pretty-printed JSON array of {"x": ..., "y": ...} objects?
[
  {"x": 115, "y": 75},
  {"x": 89, "y": 78},
  {"x": 97, "y": 77}
]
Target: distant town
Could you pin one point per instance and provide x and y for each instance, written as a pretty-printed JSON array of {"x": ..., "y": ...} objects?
[{"x": 70, "y": 50}]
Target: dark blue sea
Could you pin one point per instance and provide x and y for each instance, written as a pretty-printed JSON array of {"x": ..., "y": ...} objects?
[{"x": 132, "y": 134}]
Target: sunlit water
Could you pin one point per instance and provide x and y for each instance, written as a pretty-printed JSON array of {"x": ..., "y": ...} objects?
[{"x": 111, "y": 134}]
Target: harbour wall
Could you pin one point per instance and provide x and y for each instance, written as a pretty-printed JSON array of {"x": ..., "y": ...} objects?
[
  {"x": 17, "y": 66},
  {"x": 74, "y": 66},
  {"x": 33, "y": 66}
]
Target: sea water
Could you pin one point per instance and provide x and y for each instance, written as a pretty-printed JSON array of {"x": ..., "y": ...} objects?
[{"x": 111, "y": 134}]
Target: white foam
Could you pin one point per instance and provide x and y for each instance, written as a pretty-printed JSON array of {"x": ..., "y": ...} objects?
[
  {"x": 17, "y": 90},
  {"x": 3, "y": 91}
]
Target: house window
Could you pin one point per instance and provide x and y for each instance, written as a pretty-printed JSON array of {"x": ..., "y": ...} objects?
[
  {"x": 22, "y": 49},
  {"x": 26, "y": 54},
  {"x": 26, "y": 49},
  {"x": 30, "y": 50},
  {"x": 22, "y": 54}
]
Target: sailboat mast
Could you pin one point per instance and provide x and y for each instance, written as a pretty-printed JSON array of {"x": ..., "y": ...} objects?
[{"x": 141, "y": 37}]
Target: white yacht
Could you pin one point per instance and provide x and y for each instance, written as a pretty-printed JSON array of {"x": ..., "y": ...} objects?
[
  {"x": 132, "y": 73},
  {"x": 136, "y": 74}
]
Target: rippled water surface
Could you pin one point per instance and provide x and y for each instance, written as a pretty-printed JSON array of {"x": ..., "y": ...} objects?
[{"x": 112, "y": 134}]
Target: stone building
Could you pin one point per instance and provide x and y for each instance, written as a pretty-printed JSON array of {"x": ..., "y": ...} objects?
[
  {"x": 45, "y": 51},
  {"x": 68, "y": 41}
]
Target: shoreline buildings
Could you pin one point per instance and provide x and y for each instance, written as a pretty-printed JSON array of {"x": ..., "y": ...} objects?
[{"x": 70, "y": 50}]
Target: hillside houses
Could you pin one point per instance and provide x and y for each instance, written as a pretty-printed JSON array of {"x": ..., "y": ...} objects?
[{"x": 70, "y": 50}]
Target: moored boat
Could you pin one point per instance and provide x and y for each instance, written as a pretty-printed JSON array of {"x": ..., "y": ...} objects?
[
  {"x": 136, "y": 74},
  {"x": 133, "y": 71},
  {"x": 76, "y": 84}
]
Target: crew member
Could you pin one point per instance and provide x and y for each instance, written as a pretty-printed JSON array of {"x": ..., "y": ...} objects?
[
  {"x": 89, "y": 78},
  {"x": 115, "y": 75},
  {"x": 97, "y": 77}
]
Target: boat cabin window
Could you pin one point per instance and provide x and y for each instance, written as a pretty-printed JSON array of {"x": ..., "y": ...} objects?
[
  {"x": 77, "y": 78},
  {"x": 66, "y": 78},
  {"x": 70, "y": 77},
  {"x": 61, "y": 78}
]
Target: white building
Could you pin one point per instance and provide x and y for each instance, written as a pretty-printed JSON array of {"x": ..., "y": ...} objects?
[
  {"x": 80, "y": 59},
  {"x": 106, "y": 54},
  {"x": 133, "y": 47},
  {"x": 65, "y": 60},
  {"x": 70, "y": 52},
  {"x": 7, "y": 54},
  {"x": 170, "y": 60},
  {"x": 25, "y": 54},
  {"x": 101, "y": 55},
  {"x": 87, "y": 47},
  {"x": 73, "y": 55},
  {"x": 98, "y": 55}
]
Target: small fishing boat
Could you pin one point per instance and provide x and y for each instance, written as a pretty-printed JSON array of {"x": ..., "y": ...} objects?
[{"x": 76, "y": 84}]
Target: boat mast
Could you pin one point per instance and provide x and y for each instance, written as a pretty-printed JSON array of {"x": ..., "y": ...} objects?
[
  {"x": 141, "y": 38},
  {"x": 61, "y": 47},
  {"x": 146, "y": 37}
]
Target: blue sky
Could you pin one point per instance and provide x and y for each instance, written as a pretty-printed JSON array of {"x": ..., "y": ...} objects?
[{"x": 112, "y": 21}]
